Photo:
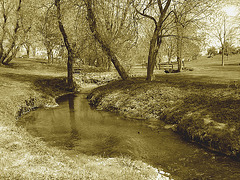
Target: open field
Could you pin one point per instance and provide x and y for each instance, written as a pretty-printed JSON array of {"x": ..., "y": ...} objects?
[
  {"x": 212, "y": 69},
  {"x": 28, "y": 84}
]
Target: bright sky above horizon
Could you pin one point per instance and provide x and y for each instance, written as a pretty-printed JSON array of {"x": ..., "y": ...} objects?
[{"x": 231, "y": 10}]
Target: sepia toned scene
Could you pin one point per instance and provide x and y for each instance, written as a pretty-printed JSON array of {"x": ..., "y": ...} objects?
[{"x": 120, "y": 89}]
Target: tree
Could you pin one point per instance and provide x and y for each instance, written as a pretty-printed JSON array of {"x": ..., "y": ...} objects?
[
  {"x": 169, "y": 48},
  {"x": 158, "y": 18},
  {"x": 177, "y": 19},
  {"x": 68, "y": 47},
  {"x": 189, "y": 16},
  {"x": 26, "y": 31},
  {"x": 44, "y": 27},
  {"x": 49, "y": 31},
  {"x": 212, "y": 51},
  {"x": 9, "y": 29},
  {"x": 223, "y": 31},
  {"x": 104, "y": 44}
]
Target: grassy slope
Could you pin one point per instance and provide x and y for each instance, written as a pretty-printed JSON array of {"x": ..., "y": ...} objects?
[
  {"x": 28, "y": 84},
  {"x": 203, "y": 104}
]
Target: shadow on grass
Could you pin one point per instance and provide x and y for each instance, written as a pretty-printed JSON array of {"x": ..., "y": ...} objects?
[
  {"x": 44, "y": 84},
  {"x": 23, "y": 77},
  {"x": 35, "y": 64}
]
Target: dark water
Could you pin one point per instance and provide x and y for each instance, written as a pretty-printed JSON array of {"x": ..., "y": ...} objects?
[{"x": 76, "y": 128}]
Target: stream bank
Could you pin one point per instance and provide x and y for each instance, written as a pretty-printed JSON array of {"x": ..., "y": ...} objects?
[
  {"x": 27, "y": 87},
  {"x": 75, "y": 127},
  {"x": 204, "y": 112}
]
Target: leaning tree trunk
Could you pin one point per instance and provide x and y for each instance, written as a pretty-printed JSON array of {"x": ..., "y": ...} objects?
[
  {"x": 106, "y": 48},
  {"x": 68, "y": 46},
  {"x": 12, "y": 56}
]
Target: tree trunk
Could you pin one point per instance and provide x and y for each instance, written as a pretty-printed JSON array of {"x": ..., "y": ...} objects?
[
  {"x": 156, "y": 40},
  {"x": 179, "y": 47},
  {"x": 153, "y": 51},
  {"x": 68, "y": 46},
  {"x": 34, "y": 52},
  {"x": 1, "y": 52},
  {"x": 223, "y": 56},
  {"x": 5, "y": 58},
  {"x": 50, "y": 56},
  {"x": 13, "y": 55},
  {"x": 27, "y": 47},
  {"x": 28, "y": 51},
  {"x": 179, "y": 54},
  {"x": 106, "y": 48}
]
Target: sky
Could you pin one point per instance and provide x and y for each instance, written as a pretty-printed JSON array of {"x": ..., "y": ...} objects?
[{"x": 231, "y": 10}]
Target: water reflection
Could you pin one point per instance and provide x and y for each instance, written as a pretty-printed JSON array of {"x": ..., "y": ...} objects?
[
  {"x": 74, "y": 131},
  {"x": 77, "y": 128}
]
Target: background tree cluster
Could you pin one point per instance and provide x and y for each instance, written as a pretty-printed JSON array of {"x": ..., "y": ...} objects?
[{"x": 119, "y": 33}]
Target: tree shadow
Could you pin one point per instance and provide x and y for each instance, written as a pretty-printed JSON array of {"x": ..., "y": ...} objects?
[{"x": 44, "y": 84}]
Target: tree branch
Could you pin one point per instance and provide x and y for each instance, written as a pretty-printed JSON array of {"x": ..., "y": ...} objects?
[
  {"x": 147, "y": 16},
  {"x": 160, "y": 6}
]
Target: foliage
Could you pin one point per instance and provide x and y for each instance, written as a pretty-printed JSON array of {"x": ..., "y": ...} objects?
[
  {"x": 212, "y": 51},
  {"x": 47, "y": 27},
  {"x": 10, "y": 20}
]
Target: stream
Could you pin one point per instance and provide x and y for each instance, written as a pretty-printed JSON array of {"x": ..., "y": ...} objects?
[{"x": 77, "y": 128}]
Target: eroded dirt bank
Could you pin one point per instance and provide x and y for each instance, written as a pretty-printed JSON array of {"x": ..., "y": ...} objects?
[{"x": 203, "y": 111}]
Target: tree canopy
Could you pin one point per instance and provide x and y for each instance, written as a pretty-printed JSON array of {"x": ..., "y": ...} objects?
[{"x": 104, "y": 32}]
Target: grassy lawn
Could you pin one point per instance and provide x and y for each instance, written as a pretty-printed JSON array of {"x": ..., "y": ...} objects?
[
  {"x": 203, "y": 104},
  {"x": 211, "y": 68},
  {"x": 27, "y": 84}
]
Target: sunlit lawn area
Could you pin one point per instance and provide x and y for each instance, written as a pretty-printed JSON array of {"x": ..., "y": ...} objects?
[{"x": 212, "y": 68}]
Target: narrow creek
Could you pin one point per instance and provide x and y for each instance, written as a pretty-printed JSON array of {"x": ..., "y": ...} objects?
[{"x": 77, "y": 128}]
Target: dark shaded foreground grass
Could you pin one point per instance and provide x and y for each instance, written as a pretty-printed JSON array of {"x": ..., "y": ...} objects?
[
  {"x": 27, "y": 86},
  {"x": 201, "y": 107}
]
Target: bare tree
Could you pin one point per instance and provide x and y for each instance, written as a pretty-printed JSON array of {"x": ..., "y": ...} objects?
[
  {"x": 92, "y": 20},
  {"x": 169, "y": 48},
  {"x": 171, "y": 19},
  {"x": 68, "y": 46},
  {"x": 158, "y": 18},
  {"x": 188, "y": 20},
  {"x": 9, "y": 30},
  {"x": 48, "y": 28},
  {"x": 223, "y": 31}
]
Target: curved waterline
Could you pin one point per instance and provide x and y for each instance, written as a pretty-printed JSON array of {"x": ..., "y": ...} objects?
[{"x": 76, "y": 128}]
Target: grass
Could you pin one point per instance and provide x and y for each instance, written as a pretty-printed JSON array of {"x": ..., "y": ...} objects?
[
  {"x": 203, "y": 103},
  {"x": 27, "y": 84}
]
